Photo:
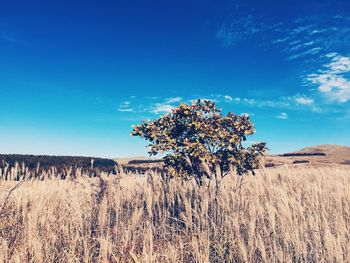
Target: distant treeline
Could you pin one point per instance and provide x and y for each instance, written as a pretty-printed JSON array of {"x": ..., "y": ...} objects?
[
  {"x": 142, "y": 170},
  {"x": 46, "y": 162},
  {"x": 300, "y": 161},
  {"x": 303, "y": 154},
  {"x": 145, "y": 161}
]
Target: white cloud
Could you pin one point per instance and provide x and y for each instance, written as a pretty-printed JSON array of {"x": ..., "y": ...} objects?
[
  {"x": 305, "y": 53},
  {"x": 331, "y": 54},
  {"x": 125, "y": 109},
  {"x": 300, "y": 29},
  {"x": 228, "y": 97},
  {"x": 295, "y": 102},
  {"x": 225, "y": 98},
  {"x": 242, "y": 28},
  {"x": 302, "y": 100},
  {"x": 333, "y": 79},
  {"x": 173, "y": 100},
  {"x": 281, "y": 102},
  {"x": 281, "y": 40},
  {"x": 307, "y": 38},
  {"x": 165, "y": 105},
  {"x": 340, "y": 64},
  {"x": 237, "y": 99},
  {"x": 247, "y": 114},
  {"x": 160, "y": 108},
  {"x": 221, "y": 98},
  {"x": 250, "y": 101},
  {"x": 317, "y": 31},
  {"x": 282, "y": 116},
  {"x": 312, "y": 51},
  {"x": 309, "y": 43}
]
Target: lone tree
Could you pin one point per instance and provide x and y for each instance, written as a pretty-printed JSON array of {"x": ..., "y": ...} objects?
[{"x": 199, "y": 142}]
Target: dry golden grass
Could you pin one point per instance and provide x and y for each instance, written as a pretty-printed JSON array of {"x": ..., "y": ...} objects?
[{"x": 287, "y": 214}]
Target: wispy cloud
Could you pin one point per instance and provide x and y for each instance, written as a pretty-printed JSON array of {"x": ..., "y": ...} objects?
[
  {"x": 8, "y": 39},
  {"x": 281, "y": 40},
  {"x": 149, "y": 105},
  {"x": 164, "y": 105},
  {"x": 313, "y": 41},
  {"x": 160, "y": 108},
  {"x": 98, "y": 100},
  {"x": 281, "y": 102},
  {"x": 303, "y": 100},
  {"x": 222, "y": 98},
  {"x": 282, "y": 116},
  {"x": 242, "y": 28},
  {"x": 125, "y": 107},
  {"x": 11, "y": 38},
  {"x": 235, "y": 32},
  {"x": 304, "y": 38},
  {"x": 157, "y": 105},
  {"x": 228, "y": 98},
  {"x": 173, "y": 100},
  {"x": 333, "y": 79},
  {"x": 298, "y": 102},
  {"x": 313, "y": 37}
]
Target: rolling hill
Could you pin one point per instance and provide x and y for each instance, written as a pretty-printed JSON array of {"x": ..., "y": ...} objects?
[
  {"x": 316, "y": 155},
  {"x": 330, "y": 154}
]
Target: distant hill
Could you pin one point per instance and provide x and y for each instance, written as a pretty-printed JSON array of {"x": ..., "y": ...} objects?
[
  {"x": 330, "y": 150},
  {"x": 140, "y": 162},
  {"x": 316, "y": 155}
]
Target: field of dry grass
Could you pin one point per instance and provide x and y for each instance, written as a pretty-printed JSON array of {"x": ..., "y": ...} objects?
[{"x": 285, "y": 214}]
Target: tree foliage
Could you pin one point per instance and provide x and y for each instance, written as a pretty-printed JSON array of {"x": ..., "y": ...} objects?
[{"x": 200, "y": 142}]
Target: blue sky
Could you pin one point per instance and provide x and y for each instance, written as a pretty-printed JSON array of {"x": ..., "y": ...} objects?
[{"x": 75, "y": 75}]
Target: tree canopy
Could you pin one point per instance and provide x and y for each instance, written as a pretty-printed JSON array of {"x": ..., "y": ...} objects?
[{"x": 200, "y": 142}]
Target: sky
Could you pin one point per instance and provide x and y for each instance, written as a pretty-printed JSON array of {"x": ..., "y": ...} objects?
[{"x": 75, "y": 75}]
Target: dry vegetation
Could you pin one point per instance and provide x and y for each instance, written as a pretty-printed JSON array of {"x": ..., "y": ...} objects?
[{"x": 285, "y": 214}]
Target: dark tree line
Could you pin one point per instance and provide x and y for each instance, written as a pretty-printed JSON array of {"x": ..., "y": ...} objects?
[{"x": 46, "y": 162}]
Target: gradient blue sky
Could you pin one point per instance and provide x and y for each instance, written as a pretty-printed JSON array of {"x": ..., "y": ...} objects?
[{"x": 75, "y": 75}]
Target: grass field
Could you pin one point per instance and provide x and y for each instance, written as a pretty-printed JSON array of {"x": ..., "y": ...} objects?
[{"x": 285, "y": 214}]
